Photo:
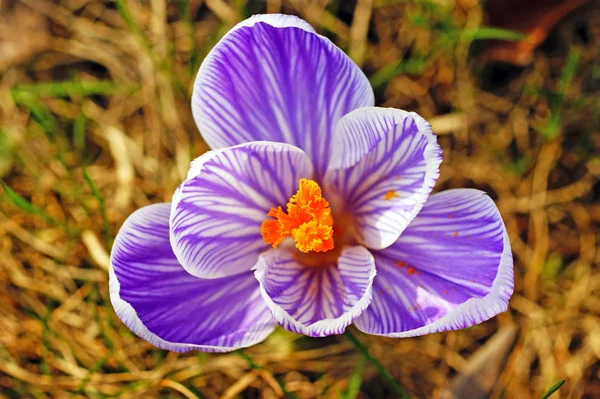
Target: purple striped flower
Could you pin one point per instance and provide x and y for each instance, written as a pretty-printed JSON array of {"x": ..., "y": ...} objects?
[{"x": 312, "y": 212}]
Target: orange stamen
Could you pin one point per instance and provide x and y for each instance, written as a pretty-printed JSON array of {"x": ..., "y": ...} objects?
[
  {"x": 313, "y": 236},
  {"x": 308, "y": 220}
]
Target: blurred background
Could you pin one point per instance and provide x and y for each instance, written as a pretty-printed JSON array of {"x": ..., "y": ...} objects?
[{"x": 95, "y": 122}]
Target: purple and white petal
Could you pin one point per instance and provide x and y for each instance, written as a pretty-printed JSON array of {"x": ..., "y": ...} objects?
[
  {"x": 163, "y": 304},
  {"x": 273, "y": 78},
  {"x": 450, "y": 269},
  {"x": 385, "y": 163},
  {"x": 316, "y": 300},
  {"x": 217, "y": 212}
]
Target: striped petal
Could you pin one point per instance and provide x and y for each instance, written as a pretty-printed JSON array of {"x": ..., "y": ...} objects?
[
  {"x": 452, "y": 268},
  {"x": 316, "y": 300},
  {"x": 273, "y": 78},
  {"x": 384, "y": 164},
  {"x": 217, "y": 212},
  {"x": 163, "y": 304}
]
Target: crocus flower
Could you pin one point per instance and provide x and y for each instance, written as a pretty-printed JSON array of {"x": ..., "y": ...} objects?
[{"x": 313, "y": 211}]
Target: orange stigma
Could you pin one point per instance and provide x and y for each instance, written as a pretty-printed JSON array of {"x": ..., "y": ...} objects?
[{"x": 308, "y": 220}]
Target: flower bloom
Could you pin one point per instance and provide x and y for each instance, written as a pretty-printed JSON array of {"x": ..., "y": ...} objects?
[{"x": 313, "y": 211}]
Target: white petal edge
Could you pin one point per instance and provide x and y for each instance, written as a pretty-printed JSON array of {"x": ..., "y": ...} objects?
[
  {"x": 478, "y": 309},
  {"x": 275, "y": 20},
  {"x": 130, "y": 318},
  {"x": 386, "y": 119},
  {"x": 280, "y": 21},
  {"x": 323, "y": 327},
  {"x": 351, "y": 147}
]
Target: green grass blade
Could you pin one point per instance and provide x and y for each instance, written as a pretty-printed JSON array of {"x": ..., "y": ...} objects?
[
  {"x": 355, "y": 380},
  {"x": 398, "y": 390},
  {"x": 23, "y": 204},
  {"x": 412, "y": 66},
  {"x": 79, "y": 133},
  {"x": 553, "y": 389},
  {"x": 101, "y": 204},
  {"x": 123, "y": 10},
  {"x": 557, "y": 98},
  {"x": 568, "y": 72},
  {"x": 37, "y": 110},
  {"x": 68, "y": 88},
  {"x": 492, "y": 33}
]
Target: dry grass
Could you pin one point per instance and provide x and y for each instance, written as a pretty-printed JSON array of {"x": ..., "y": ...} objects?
[{"x": 117, "y": 134}]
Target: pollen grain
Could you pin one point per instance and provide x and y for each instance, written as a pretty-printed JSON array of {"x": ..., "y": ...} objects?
[{"x": 390, "y": 194}]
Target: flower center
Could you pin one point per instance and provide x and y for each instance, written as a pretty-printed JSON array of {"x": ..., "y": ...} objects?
[{"x": 308, "y": 220}]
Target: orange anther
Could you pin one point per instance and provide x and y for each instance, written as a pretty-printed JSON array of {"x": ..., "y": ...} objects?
[{"x": 308, "y": 220}]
